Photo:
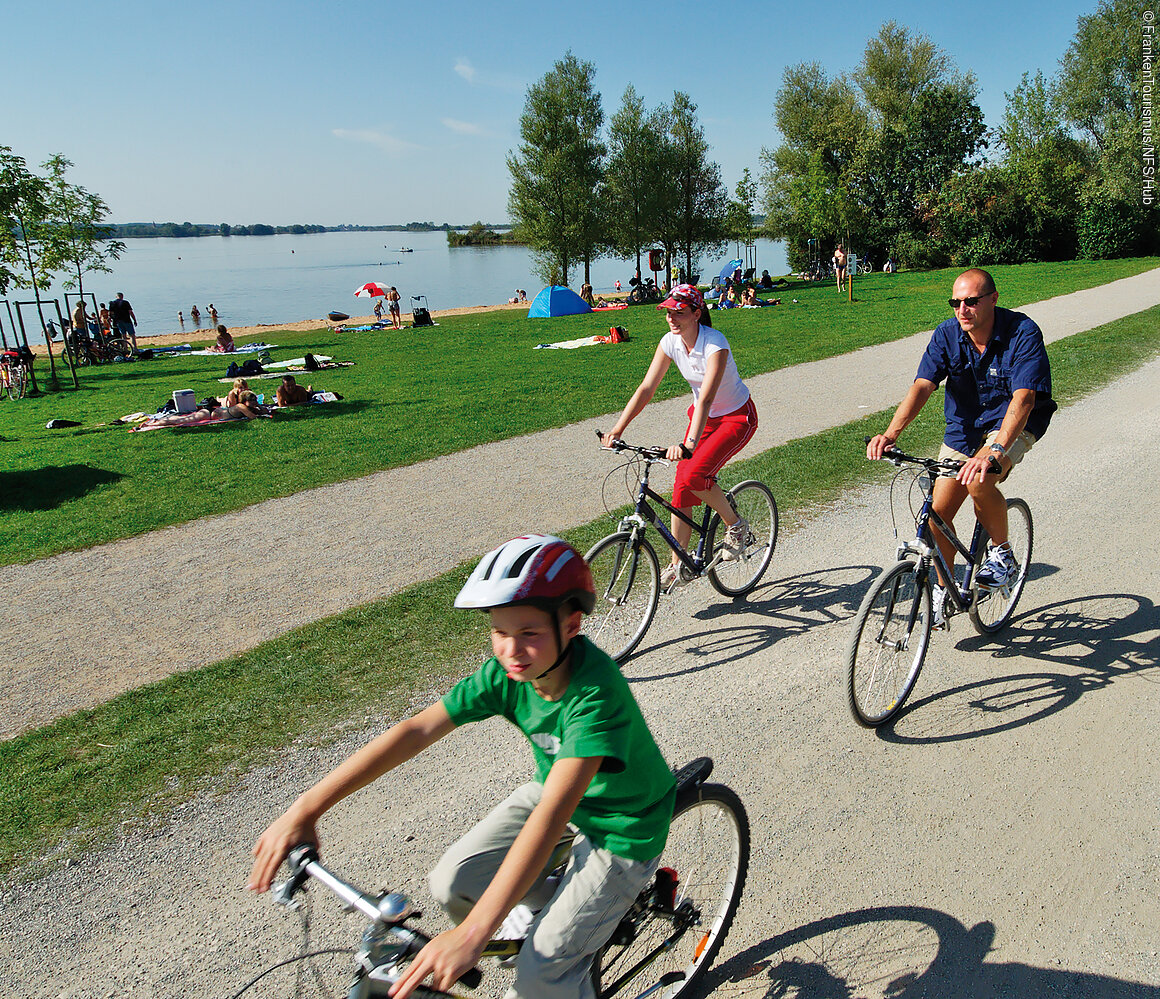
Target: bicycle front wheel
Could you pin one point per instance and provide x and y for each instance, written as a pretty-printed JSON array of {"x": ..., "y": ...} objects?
[
  {"x": 17, "y": 381},
  {"x": 991, "y": 610},
  {"x": 672, "y": 934},
  {"x": 888, "y": 644},
  {"x": 118, "y": 347},
  {"x": 628, "y": 584},
  {"x": 753, "y": 501}
]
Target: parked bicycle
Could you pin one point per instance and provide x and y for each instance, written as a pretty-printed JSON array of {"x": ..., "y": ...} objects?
[
  {"x": 89, "y": 349},
  {"x": 892, "y": 629},
  {"x": 643, "y": 291},
  {"x": 15, "y": 372},
  {"x": 626, "y": 570},
  {"x": 662, "y": 947}
]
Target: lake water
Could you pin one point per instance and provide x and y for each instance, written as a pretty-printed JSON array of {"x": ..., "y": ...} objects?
[{"x": 272, "y": 279}]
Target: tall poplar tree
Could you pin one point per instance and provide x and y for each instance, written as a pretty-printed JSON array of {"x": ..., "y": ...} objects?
[{"x": 557, "y": 169}]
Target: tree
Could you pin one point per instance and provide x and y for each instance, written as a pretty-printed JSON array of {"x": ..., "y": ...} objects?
[
  {"x": 632, "y": 177},
  {"x": 739, "y": 210},
  {"x": 23, "y": 204},
  {"x": 557, "y": 169},
  {"x": 806, "y": 180},
  {"x": 693, "y": 217},
  {"x": 76, "y": 233}
]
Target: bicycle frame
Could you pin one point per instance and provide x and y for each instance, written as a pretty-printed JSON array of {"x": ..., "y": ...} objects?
[
  {"x": 644, "y": 514},
  {"x": 928, "y": 551}
]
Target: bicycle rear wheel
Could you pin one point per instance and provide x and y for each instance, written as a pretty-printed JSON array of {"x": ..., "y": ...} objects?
[
  {"x": 17, "y": 381},
  {"x": 628, "y": 583},
  {"x": 888, "y": 644},
  {"x": 991, "y": 610},
  {"x": 753, "y": 501},
  {"x": 118, "y": 347},
  {"x": 708, "y": 852}
]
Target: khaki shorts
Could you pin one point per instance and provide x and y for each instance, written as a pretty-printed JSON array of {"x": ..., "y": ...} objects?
[{"x": 1019, "y": 447}]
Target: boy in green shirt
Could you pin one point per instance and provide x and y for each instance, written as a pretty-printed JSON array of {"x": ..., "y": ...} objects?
[{"x": 601, "y": 783}]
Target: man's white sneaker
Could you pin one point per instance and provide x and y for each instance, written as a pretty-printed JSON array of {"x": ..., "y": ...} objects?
[
  {"x": 1000, "y": 568},
  {"x": 938, "y": 600},
  {"x": 736, "y": 541},
  {"x": 672, "y": 577}
]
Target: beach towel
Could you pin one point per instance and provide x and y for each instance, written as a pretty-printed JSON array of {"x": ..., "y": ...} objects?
[
  {"x": 325, "y": 366},
  {"x": 356, "y": 329},
  {"x": 299, "y": 362},
  {"x": 584, "y": 341},
  {"x": 611, "y": 305},
  {"x": 249, "y": 348},
  {"x": 209, "y": 421}
]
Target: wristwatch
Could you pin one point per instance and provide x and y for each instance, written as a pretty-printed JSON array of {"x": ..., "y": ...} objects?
[{"x": 998, "y": 449}]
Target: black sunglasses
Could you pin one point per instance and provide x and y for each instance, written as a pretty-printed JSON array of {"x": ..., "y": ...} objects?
[{"x": 970, "y": 302}]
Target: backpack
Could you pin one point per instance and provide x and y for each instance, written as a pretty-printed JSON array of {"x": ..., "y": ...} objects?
[
  {"x": 617, "y": 334},
  {"x": 233, "y": 370},
  {"x": 310, "y": 363},
  {"x": 251, "y": 367}
]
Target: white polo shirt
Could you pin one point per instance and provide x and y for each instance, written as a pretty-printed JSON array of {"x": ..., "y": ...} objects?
[{"x": 732, "y": 393}]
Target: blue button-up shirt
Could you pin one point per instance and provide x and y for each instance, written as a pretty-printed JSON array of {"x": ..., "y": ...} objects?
[{"x": 979, "y": 386}]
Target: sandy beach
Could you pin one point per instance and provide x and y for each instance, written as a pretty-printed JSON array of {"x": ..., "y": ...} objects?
[{"x": 244, "y": 333}]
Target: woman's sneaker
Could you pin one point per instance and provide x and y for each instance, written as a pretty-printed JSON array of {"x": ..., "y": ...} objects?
[
  {"x": 999, "y": 570},
  {"x": 737, "y": 539}
]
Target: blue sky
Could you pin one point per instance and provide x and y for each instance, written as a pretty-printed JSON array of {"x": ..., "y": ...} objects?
[{"x": 373, "y": 113}]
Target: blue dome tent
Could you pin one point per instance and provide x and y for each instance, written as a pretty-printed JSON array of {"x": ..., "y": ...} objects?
[{"x": 556, "y": 300}]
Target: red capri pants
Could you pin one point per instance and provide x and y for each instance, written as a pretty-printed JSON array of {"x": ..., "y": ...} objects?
[{"x": 723, "y": 437}]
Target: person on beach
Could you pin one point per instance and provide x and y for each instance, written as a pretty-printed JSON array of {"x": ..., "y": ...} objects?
[
  {"x": 998, "y": 404},
  {"x": 378, "y": 310},
  {"x": 123, "y": 319},
  {"x": 722, "y": 418},
  {"x": 839, "y": 262},
  {"x": 224, "y": 344},
  {"x": 80, "y": 320},
  {"x": 601, "y": 800},
  {"x": 246, "y": 408},
  {"x": 235, "y": 396},
  {"x": 290, "y": 393},
  {"x": 104, "y": 319},
  {"x": 393, "y": 308}
]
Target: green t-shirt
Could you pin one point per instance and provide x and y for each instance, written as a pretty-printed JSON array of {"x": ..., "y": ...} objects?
[{"x": 627, "y": 807}]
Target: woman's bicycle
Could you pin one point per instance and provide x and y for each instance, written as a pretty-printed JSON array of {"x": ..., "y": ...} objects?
[
  {"x": 626, "y": 570},
  {"x": 892, "y": 628},
  {"x": 662, "y": 947},
  {"x": 15, "y": 372}
]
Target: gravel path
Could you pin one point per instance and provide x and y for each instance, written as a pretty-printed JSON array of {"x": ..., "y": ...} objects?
[
  {"x": 115, "y": 625},
  {"x": 1000, "y": 840}
]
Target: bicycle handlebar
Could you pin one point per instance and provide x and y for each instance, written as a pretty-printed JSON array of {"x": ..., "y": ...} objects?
[
  {"x": 655, "y": 453},
  {"x": 946, "y": 468},
  {"x": 390, "y": 908}
]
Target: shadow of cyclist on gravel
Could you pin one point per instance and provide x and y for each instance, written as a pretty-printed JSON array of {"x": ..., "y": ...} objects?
[
  {"x": 787, "y": 607},
  {"x": 904, "y": 952},
  {"x": 1098, "y": 638}
]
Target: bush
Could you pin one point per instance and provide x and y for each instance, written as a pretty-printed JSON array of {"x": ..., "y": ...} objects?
[{"x": 1109, "y": 228}]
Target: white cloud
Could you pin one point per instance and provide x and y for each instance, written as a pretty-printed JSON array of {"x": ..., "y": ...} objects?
[
  {"x": 375, "y": 137},
  {"x": 465, "y": 69},
  {"x": 462, "y": 127}
]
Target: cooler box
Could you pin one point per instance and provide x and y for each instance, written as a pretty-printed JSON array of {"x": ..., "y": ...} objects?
[{"x": 184, "y": 400}]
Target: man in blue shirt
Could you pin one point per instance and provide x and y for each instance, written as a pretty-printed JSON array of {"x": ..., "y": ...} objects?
[{"x": 998, "y": 404}]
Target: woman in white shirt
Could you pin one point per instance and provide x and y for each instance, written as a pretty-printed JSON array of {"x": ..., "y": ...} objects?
[{"x": 722, "y": 417}]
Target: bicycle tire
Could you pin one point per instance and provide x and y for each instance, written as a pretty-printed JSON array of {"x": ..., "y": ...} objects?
[
  {"x": 118, "y": 347},
  {"x": 708, "y": 848},
  {"x": 753, "y": 501},
  {"x": 991, "y": 610},
  {"x": 882, "y": 659},
  {"x": 628, "y": 583},
  {"x": 17, "y": 382}
]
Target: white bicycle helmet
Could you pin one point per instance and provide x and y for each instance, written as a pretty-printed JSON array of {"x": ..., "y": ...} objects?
[{"x": 534, "y": 569}]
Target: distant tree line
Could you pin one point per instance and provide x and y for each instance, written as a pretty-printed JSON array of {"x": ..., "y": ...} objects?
[
  {"x": 580, "y": 192},
  {"x": 481, "y": 235},
  {"x": 895, "y": 156}
]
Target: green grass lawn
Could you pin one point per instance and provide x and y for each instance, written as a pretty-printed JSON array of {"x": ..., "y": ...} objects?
[
  {"x": 423, "y": 393},
  {"x": 71, "y": 782}
]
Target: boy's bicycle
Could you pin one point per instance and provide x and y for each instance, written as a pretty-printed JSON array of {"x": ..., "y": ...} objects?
[
  {"x": 15, "y": 368},
  {"x": 662, "y": 947},
  {"x": 893, "y": 625},
  {"x": 626, "y": 570}
]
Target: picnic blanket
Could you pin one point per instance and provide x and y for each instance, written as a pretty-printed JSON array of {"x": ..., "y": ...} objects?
[
  {"x": 610, "y": 305},
  {"x": 355, "y": 329},
  {"x": 247, "y": 348}
]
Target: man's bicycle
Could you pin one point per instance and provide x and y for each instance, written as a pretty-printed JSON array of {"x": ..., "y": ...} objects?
[
  {"x": 661, "y": 948},
  {"x": 892, "y": 628},
  {"x": 626, "y": 570}
]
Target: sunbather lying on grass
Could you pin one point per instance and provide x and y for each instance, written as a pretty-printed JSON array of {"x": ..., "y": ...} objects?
[{"x": 246, "y": 409}]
